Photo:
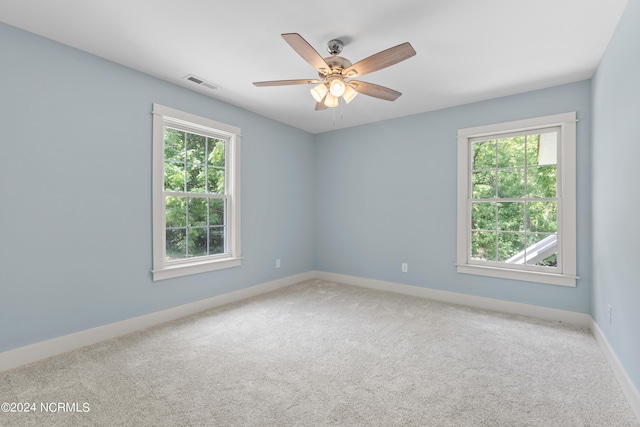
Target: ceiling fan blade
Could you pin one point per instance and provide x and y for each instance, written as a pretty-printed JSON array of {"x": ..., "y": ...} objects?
[
  {"x": 308, "y": 53},
  {"x": 320, "y": 105},
  {"x": 287, "y": 82},
  {"x": 380, "y": 60},
  {"x": 374, "y": 90}
]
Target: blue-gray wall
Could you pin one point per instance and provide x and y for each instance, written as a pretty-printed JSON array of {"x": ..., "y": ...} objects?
[
  {"x": 75, "y": 193},
  {"x": 386, "y": 194},
  {"x": 616, "y": 176}
]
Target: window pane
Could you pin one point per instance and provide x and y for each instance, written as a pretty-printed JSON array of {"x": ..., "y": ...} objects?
[
  {"x": 216, "y": 211},
  {"x": 173, "y": 176},
  {"x": 216, "y": 152},
  {"x": 542, "y": 217},
  {"x": 511, "y": 152},
  {"x": 533, "y": 142},
  {"x": 484, "y": 186},
  {"x": 542, "y": 249},
  {"x": 215, "y": 180},
  {"x": 541, "y": 181},
  {"x": 197, "y": 211},
  {"x": 196, "y": 149},
  {"x": 483, "y": 216},
  {"x": 483, "y": 246},
  {"x": 195, "y": 179},
  {"x": 511, "y": 183},
  {"x": 176, "y": 210},
  {"x": 484, "y": 155},
  {"x": 197, "y": 242},
  {"x": 216, "y": 240},
  {"x": 509, "y": 246},
  {"x": 511, "y": 216},
  {"x": 174, "y": 145},
  {"x": 176, "y": 243}
]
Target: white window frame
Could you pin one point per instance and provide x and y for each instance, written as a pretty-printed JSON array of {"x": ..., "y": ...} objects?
[
  {"x": 163, "y": 269},
  {"x": 566, "y": 274}
]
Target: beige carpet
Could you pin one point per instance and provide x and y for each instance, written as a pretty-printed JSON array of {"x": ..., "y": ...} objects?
[{"x": 320, "y": 353}]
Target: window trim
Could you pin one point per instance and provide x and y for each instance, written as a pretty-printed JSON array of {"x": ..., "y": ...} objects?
[
  {"x": 165, "y": 270},
  {"x": 567, "y": 200}
]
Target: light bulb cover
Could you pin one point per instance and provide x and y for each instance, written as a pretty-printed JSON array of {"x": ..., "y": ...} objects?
[
  {"x": 318, "y": 92},
  {"x": 349, "y": 94},
  {"x": 331, "y": 101},
  {"x": 337, "y": 87}
]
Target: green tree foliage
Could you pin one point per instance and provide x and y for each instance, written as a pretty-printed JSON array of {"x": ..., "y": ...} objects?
[
  {"x": 194, "y": 164},
  {"x": 507, "y": 178}
]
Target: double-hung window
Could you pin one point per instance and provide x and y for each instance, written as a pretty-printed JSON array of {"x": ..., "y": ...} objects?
[
  {"x": 196, "y": 194},
  {"x": 516, "y": 200}
]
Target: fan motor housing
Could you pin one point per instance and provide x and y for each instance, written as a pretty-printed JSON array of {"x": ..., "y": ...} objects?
[{"x": 337, "y": 64}]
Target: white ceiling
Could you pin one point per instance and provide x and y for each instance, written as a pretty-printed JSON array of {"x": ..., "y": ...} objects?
[{"x": 467, "y": 50}]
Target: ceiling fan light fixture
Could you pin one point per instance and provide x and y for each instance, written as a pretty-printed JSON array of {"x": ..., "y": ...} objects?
[
  {"x": 336, "y": 73},
  {"x": 349, "y": 94},
  {"x": 331, "y": 101},
  {"x": 337, "y": 87},
  {"x": 318, "y": 92}
]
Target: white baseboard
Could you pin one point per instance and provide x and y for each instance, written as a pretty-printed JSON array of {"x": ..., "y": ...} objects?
[
  {"x": 538, "y": 312},
  {"x": 628, "y": 388},
  {"x": 41, "y": 350}
]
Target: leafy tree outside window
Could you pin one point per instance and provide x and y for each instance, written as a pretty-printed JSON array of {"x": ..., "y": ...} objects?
[
  {"x": 514, "y": 205},
  {"x": 195, "y": 224}
]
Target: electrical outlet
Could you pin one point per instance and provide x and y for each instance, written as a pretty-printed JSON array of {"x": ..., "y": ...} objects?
[
  {"x": 405, "y": 267},
  {"x": 609, "y": 310},
  {"x": 278, "y": 263}
]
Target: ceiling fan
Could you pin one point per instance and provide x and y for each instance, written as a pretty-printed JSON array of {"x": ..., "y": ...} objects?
[{"x": 335, "y": 72}]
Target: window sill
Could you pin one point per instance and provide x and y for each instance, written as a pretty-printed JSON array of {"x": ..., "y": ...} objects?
[
  {"x": 528, "y": 276},
  {"x": 171, "y": 271}
]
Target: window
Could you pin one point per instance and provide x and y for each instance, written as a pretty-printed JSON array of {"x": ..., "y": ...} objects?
[
  {"x": 196, "y": 194},
  {"x": 517, "y": 201}
]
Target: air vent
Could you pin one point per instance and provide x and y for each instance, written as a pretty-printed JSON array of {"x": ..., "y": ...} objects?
[{"x": 201, "y": 82}]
